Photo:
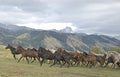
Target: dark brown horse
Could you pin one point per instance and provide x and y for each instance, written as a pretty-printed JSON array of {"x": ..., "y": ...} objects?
[
  {"x": 44, "y": 54},
  {"x": 62, "y": 55},
  {"x": 27, "y": 53},
  {"x": 13, "y": 51}
]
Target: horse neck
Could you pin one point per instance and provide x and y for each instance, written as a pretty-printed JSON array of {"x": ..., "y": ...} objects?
[
  {"x": 65, "y": 52},
  {"x": 41, "y": 51},
  {"x": 12, "y": 49}
]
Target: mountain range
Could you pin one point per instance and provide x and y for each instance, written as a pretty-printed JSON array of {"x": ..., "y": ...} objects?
[{"x": 52, "y": 39}]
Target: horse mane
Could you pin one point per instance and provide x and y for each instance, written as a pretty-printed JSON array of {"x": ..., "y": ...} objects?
[
  {"x": 20, "y": 47},
  {"x": 85, "y": 53},
  {"x": 41, "y": 49}
]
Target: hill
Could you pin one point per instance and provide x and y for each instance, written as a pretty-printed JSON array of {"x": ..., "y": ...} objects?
[
  {"x": 69, "y": 41},
  {"x": 50, "y": 39},
  {"x": 117, "y": 37}
]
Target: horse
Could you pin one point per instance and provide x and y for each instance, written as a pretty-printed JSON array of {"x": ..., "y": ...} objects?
[
  {"x": 77, "y": 57},
  {"x": 63, "y": 56},
  {"x": 27, "y": 53},
  {"x": 33, "y": 49},
  {"x": 89, "y": 58},
  {"x": 13, "y": 51},
  {"x": 100, "y": 59},
  {"x": 115, "y": 58},
  {"x": 44, "y": 54}
]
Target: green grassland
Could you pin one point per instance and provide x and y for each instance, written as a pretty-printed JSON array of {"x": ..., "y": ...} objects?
[{"x": 10, "y": 68}]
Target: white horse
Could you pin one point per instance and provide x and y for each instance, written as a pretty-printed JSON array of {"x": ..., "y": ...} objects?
[{"x": 115, "y": 56}]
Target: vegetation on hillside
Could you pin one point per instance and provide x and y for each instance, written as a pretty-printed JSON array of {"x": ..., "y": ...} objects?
[{"x": 50, "y": 39}]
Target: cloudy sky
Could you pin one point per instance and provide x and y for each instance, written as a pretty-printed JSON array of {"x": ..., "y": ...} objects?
[{"x": 86, "y": 16}]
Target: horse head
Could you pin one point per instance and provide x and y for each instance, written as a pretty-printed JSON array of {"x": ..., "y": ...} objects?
[{"x": 8, "y": 46}]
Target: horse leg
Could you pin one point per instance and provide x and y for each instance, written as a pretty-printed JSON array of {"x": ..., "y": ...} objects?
[
  {"x": 115, "y": 64},
  {"x": 27, "y": 60},
  {"x": 112, "y": 66},
  {"x": 106, "y": 64},
  {"x": 42, "y": 61},
  {"x": 87, "y": 63},
  {"x": 68, "y": 62},
  {"x": 20, "y": 58},
  {"x": 30, "y": 58},
  {"x": 101, "y": 64},
  {"x": 14, "y": 56},
  {"x": 55, "y": 61},
  {"x": 33, "y": 60},
  {"x": 94, "y": 63},
  {"x": 64, "y": 63},
  {"x": 38, "y": 58},
  {"x": 83, "y": 62},
  {"x": 91, "y": 64},
  {"x": 78, "y": 63}
]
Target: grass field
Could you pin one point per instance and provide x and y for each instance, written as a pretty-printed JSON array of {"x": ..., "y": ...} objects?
[{"x": 10, "y": 68}]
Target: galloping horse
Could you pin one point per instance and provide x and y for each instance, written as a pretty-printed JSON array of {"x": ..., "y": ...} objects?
[
  {"x": 44, "y": 54},
  {"x": 13, "y": 51},
  {"x": 115, "y": 56},
  {"x": 100, "y": 59},
  {"x": 76, "y": 57},
  {"x": 27, "y": 53},
  {"x": 62, "y": 55},
  {"x": 89, "y": 58}
]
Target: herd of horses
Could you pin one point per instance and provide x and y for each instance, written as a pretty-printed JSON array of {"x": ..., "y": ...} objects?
[{"x": 63, "y": 58}]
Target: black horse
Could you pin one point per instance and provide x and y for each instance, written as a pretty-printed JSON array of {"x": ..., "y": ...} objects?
[
  {"x": 13, "y": 51},
  {"x": 44, "y": 54}
]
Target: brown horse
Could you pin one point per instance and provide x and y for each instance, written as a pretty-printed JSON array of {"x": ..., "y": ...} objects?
[
  {"x": 27, "y": 53},
  {"x": 33, "y": 49},
  {"x": 77, "y": 57},
  {"x": 89, "y": 58},
  {"x": 100, "y": 59},
  {"x": 13, "y": 51}
]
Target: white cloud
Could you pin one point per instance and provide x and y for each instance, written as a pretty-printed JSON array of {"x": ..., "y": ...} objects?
[
  {"x": 89, "y": 16},
  {"x": 48, "y": 26}
]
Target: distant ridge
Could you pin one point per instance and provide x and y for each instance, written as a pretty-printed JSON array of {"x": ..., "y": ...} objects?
[{"x": 27, "y": 37}]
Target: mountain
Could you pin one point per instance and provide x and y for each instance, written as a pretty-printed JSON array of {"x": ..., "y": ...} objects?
[
  {"x": 15, "y": 28},
  {"x": 117, "y": 37},
  {"x": 69, "y": 41},
  {"x": 6, "y": 36},
  {"x": 65, "y": 30},
  {"x": 52, "y": 39}
]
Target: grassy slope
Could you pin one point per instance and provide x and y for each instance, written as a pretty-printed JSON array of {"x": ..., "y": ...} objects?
[{"x": 10, "y": 68}]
